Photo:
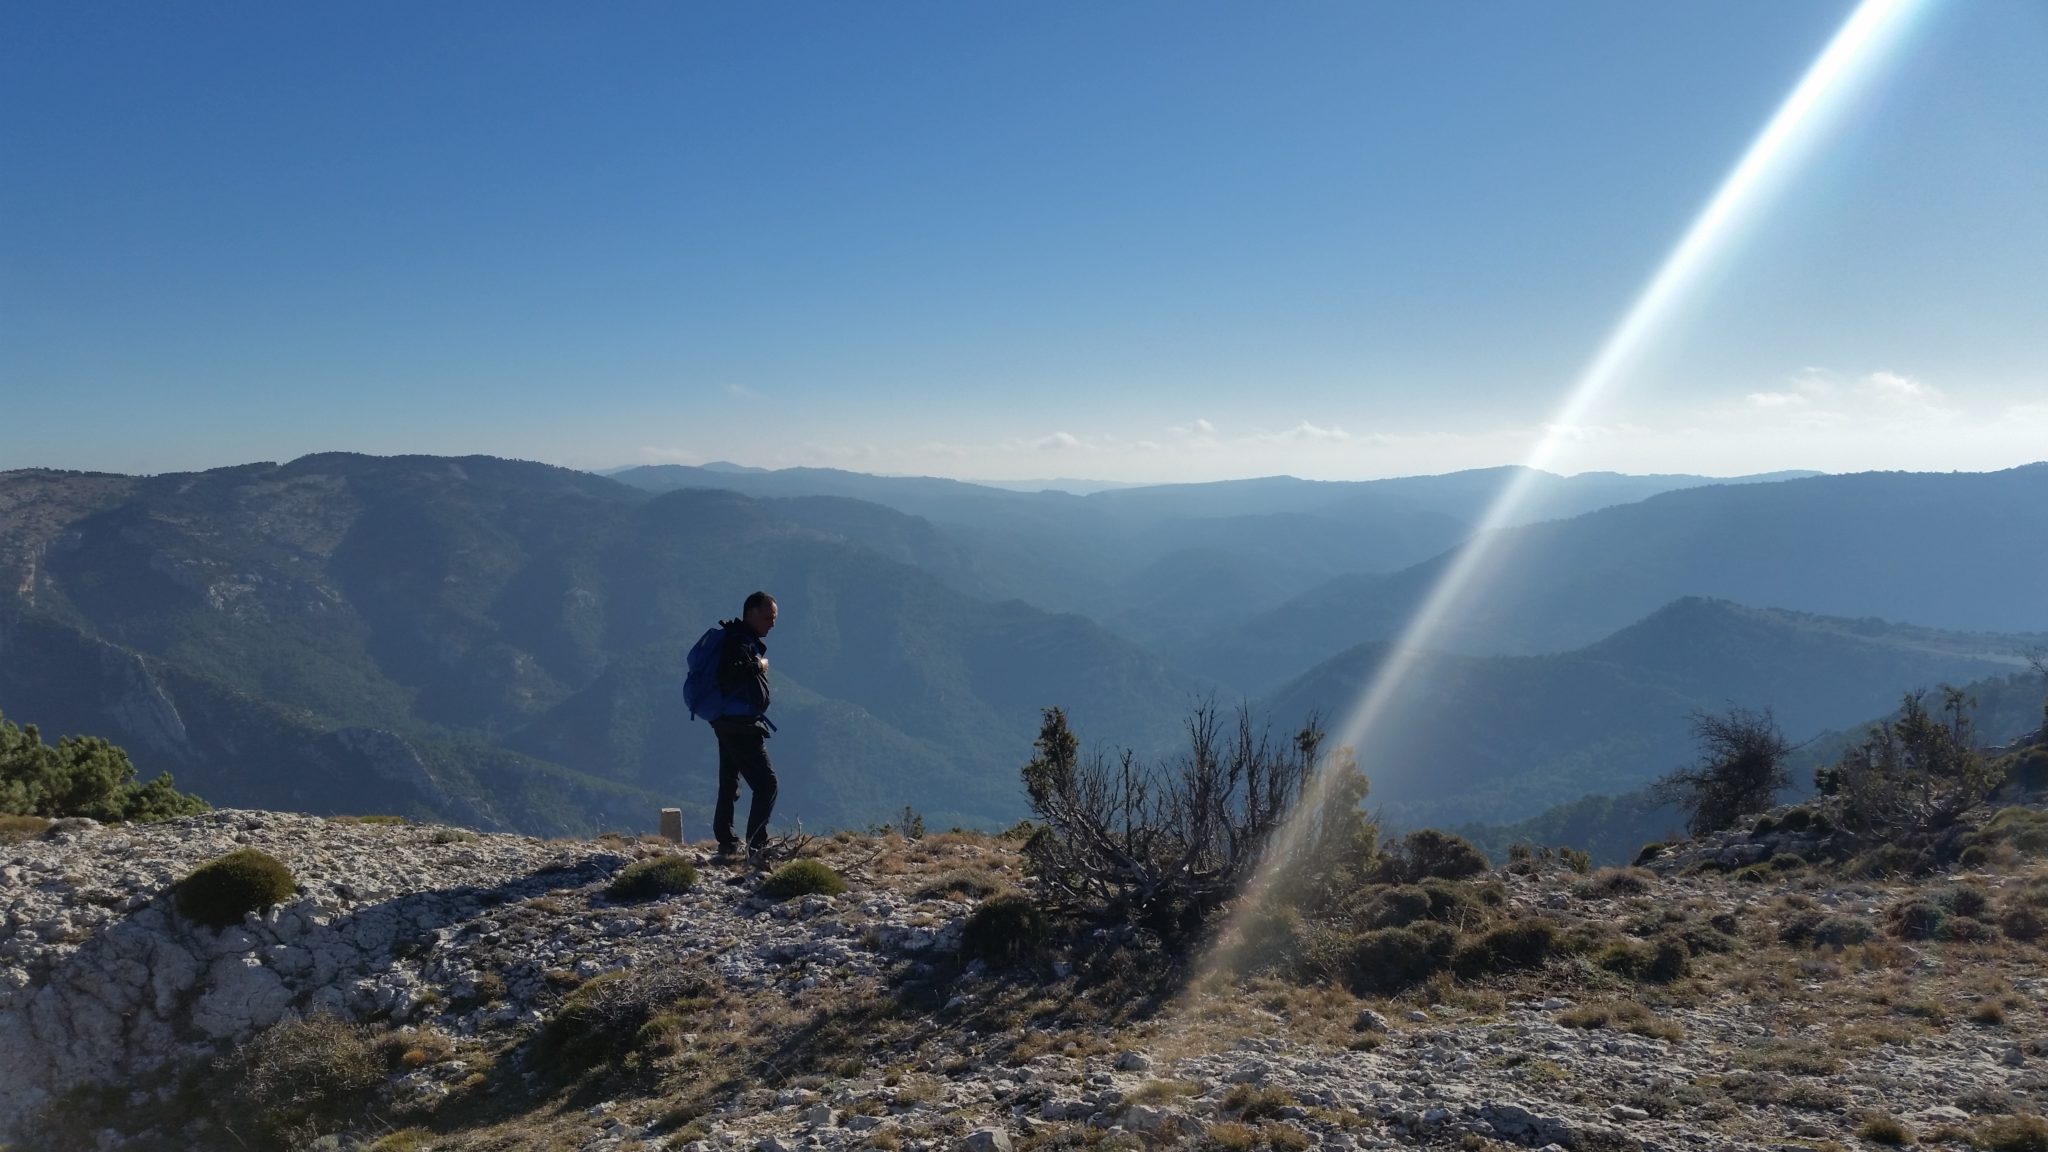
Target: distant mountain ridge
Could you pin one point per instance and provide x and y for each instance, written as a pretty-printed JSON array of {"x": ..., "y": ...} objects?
[
  {"x": 1500, "y": 738},
  {"x": 1123, "y": 556},
  {"x": 507, "y": 609},
  {"x": 499, "y": 642},
  {"x": 1962, "y": 551}
]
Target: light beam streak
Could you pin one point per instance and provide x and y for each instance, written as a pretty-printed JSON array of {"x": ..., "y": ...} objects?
[{"x": 1852, "y": 55}]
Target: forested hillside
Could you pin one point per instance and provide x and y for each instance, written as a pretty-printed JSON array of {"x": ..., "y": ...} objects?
[
  {"x": 493, "y": 607},
  {"x": 500, "y": 643}
]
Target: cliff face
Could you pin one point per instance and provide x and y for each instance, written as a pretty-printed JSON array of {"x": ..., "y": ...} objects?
[{"x": 520, "y": 1006}]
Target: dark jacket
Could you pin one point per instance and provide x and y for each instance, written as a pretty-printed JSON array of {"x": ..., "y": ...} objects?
[{"x": 743, "y": 672}]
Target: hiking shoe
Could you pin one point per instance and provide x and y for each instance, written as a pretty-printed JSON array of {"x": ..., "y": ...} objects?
[
  {"x": 758, "y": 858},
  {"x": 728, "y": 856}
]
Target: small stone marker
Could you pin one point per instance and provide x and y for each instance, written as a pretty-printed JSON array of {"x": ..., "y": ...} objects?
[{"x": 672, "y": 825}]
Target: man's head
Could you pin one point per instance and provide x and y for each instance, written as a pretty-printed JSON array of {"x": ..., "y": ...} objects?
[{"x": 759, "y": 613}]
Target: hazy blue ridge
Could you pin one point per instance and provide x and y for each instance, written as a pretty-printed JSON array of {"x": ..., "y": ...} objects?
[
  {"x": 1496, "y": 739},
  {"x": 1959, "y": 551}
]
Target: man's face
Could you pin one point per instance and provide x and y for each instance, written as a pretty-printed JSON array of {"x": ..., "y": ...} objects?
[{"x": 762, "y": 619}]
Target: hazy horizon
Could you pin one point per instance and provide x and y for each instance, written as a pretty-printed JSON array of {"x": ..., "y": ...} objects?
[{"x": 1079, "y": 484}]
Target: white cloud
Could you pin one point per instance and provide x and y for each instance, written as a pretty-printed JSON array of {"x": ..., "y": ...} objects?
[
  {"x": 1196, "y": 433},
  {"x": 1059, "y": 442},
  {"x": 1308, "y": 431},
  {"x": 1899, "y": 389},
  {"x": 1777, "y": 400}
]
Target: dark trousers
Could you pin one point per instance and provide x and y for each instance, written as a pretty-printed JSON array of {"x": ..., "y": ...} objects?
[{"x": 743, "y": 754}]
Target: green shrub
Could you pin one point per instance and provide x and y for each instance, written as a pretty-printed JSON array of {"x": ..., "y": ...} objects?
[
  {"x": 1397, "y": 906},
  {"x": 81, "y": 776},
  {"x": 221, "y": 892},
  {"x": 1432, "y": 852},
  {"x": 1660, "y": 961},
  {"x": 1755, "y": 874},
  {"x": 1462, "y": 904},
  {"x": 651, "y": 879},
  {"x": 1797, "y": 820},
  {"x": 805, "y": 877},
  {"x": 1915, "y": 919},
  {"x": 1271, "y": 937},
  {"x": 299, "y": 1078},
  {"x": 1886, "y": 860},
  {"x": 1003, "y": 930},
  {"x": 2025, "y": 830},
  {"x": 1839, "y": 931},
  {"x": 1253, "y": 1104},
  {"x": 1577, "y": 859},
  {"x": 1967, "y": 900},
  {"x": 587, "y": 1030},
  {"x": 1522, "y": 944},
  {"x": 2023, "y": 924},
  {"x": 1649, "y": 852},
  {"x": 1625, "y": 957},
  {"x": 1968, "y": 929},
  {"x": 1669, "y": 960},
  {"x": 2027, "y": 769},
  {"x": 1388, "y": 960}
]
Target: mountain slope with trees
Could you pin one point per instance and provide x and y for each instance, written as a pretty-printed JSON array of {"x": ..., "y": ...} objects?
[
  {"x": 1501, "y": 738},
  {"x": 1959, "y": 551},
  {"x": 503, "y": 611}
]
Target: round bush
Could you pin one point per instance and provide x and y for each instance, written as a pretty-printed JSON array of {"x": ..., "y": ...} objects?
[
  {"x": 1391, "y": 959},
  {"x": 1842, "y": 931},
  {"x": 1916, "y": 919},
  {"x": 2024, "y": 924},
  {"x": 1444, "y": 855},
  {"x": 1649, "y": 852},
  {"x": 804, "y": 877},
  {"x": 246, "y": 880},
  {"x": 1968, "y": 901},
  {"x": 1522, "y": 944},
  {"x": 1967, "y": 928},
  {"x": 1670, "y": 959},
  {"x": 651, "y": 879},
  {"x": 1462, "y": 904},
  {"x": 1003, "y": 930},
  {"x": 1398, "y": 906}
]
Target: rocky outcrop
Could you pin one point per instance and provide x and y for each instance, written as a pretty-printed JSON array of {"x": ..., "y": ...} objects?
[
  {"x": 475, "y": 937},
  {"x": 101, "y": 981}
]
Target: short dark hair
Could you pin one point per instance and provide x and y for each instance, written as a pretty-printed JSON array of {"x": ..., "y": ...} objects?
[{"x": 757, "y": 600}]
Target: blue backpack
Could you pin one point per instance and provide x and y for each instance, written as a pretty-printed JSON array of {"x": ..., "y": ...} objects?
[{"x": 701, "y": 693}]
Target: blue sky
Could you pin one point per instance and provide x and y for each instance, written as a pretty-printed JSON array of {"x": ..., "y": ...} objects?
[{"x": 1131, "y": 241}]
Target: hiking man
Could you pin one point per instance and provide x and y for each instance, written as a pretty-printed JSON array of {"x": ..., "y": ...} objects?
[{"x": 728, "y": 685}]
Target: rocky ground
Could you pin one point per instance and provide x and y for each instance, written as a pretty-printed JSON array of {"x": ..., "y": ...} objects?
[{"x": 513, "y": 1005}]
